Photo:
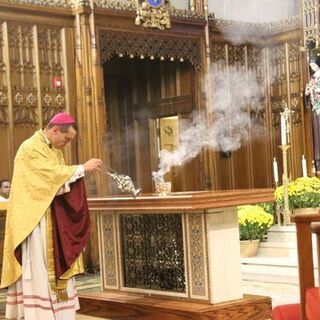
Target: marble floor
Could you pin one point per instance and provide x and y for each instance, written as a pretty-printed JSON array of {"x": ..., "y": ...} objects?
[{"x": 279, "y": 292}]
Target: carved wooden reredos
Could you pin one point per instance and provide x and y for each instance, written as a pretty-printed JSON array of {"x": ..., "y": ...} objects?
[
  {"x": 34, "y": 56},
  {"x": 71, "y": 39}
]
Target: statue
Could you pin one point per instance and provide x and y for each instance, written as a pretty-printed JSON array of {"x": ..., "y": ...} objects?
[{"x": 312, "y": 101}]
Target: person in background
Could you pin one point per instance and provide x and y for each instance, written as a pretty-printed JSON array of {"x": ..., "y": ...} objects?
[
  {"x": 47, "y": 226},
  {"x": 5, "y": 186}
]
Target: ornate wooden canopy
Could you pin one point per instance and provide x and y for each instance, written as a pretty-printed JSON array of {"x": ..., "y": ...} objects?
[{"x": 150, "y": 46}]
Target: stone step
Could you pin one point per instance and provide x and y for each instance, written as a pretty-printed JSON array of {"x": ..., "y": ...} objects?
[
  {"x": 281, "y": 249},
  {"x": 272, "y": 269},
  {"x": 276, "y": 260},
  {"x": 282, "y": 234}
]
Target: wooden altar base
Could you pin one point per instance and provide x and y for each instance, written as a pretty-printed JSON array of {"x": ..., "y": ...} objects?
[{"x": 123, "y": 306}]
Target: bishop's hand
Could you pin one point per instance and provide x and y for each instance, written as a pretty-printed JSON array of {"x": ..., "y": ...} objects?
[{"x": 92, "y": 164}]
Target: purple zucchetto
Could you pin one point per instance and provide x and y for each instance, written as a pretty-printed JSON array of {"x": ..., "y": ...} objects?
[{"x": 62, "y": 118}]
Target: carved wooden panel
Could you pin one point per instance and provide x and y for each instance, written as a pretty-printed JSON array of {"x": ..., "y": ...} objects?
[
  {"x": 236, "y": 55},
  {"x": 149, "y": 45},
  {"x": 295, "y": 85},
  {"x": 260, "y": 157},
  {"x": 23, "y": 53},
  {"x": 223, "y": 179},
  {"x": 23, "y": 82},
  {"x": 284, "y": 67},
  {"x": 310, "y": 21},
  {"x": 277, "y": 81},
  {"x": 226, "y": 60},
  {"x": 218, "y": 52},
  {"x": 239, "y": 159},
  {"x": 4, "y": 119},
  {"x": 191, "y": 8},
  {"x": 296, "y": 106},
  {"x": 53, "y": 100},
  {"x": 31, "y": 56},
  {"x": 50, "y": 3},
  {"x": 25, "y": 106},
  {"x": 256, "y": 64},
  {"x": 5, "y": 133},
  {"x": 277, "y": 70},
  {"x": 23, "y": 75}
]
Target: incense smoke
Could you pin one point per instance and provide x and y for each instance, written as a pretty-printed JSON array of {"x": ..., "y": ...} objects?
[{"x": 234, "y": 98}]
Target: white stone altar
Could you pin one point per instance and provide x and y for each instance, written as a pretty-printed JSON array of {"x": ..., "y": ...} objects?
[{"x": 210, "y": 238}]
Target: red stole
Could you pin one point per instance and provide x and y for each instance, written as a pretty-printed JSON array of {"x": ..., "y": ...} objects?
[{"x": 71, "y": 226}]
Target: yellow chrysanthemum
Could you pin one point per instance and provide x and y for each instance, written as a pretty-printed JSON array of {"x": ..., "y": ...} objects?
[
  {"x": 303, "y": 193},
  {"x": 253, "y": 222}
]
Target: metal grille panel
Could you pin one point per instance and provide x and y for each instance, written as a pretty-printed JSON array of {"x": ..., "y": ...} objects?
[{"x": 152, "y": 252}]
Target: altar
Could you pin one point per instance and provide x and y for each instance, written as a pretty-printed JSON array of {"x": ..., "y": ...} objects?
[{"x": 180, "y": 252}]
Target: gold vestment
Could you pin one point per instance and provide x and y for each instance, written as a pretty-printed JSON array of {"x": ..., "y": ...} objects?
[{"x": 39, "y": 172}]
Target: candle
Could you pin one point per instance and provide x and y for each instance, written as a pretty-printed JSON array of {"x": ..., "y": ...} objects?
[
  {"x": 304, "y": 166},
  {"x": 283, "y": 130},
  {"x": 275, "y": 171}
]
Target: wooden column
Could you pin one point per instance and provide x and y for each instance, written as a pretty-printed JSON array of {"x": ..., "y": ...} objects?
[
  {"x": 204, "y": 100},
  {"x": 90, "y": 104},
  {"x": 90, "y": 112}
]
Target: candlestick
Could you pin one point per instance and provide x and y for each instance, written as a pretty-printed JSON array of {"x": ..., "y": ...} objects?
[
  {"x": 313, "y": 170},
  {"x": 285, "y": 181},
  {"x": 304, "y": 167},
  {"x": 275, "y": 171},
  {"x": 283, "y": 130},
  {"x": 276, "y": 181}
]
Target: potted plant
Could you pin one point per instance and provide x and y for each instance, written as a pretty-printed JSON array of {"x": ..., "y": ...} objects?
[
  {"x": 254, "y": 222},
  {"x": 303, "y": 194}
]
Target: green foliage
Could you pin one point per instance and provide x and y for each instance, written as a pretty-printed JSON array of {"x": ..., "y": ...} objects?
[
  {"x": 254, "y": 222},
  {"x": 302, "y": 193},
  {"x": 268, "y": 207}
]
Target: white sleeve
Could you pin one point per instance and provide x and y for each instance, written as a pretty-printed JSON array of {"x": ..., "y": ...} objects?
[{"x": 79, "y": 173}]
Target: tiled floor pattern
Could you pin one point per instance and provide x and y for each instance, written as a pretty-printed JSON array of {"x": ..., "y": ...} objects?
[{"x": 280, "y": 293}]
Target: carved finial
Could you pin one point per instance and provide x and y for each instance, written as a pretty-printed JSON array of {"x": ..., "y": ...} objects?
[
  {"x": 192, "y": 5},
  {"x": 81, "y": 3},
  {"x": 153, "y": 14}
]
